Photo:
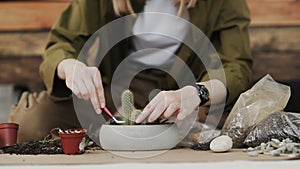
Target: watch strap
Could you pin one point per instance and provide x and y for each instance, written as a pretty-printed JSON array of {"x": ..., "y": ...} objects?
[{"x": 203, "y": 94}]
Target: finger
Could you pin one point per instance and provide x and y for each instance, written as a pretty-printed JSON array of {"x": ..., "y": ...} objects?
[
  {"x": 145, "y": 113},
  {"x": 74, "y": 88},
  {"x": 182, "y": 114},
  {"x": 76, "y": 91},
  {"x": 93, "y": 96},
  {"x": 23, "y": 102},
  {"x": 99, "y": 88},
  {"x": 31, "y": 100},
  {"x": 157, "y": 112},
  {"x": 83, "y": 89},
  {"x": 70, "y": 83},
  {"x": 149, "y": 108},
  {"x": 35, "y": 95},
  {"x": 41, "y": 96},
  {"x": 172, "y": 108}
]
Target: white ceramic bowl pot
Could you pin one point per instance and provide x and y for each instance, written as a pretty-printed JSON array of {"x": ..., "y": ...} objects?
[{"x": 139, "y": 137}]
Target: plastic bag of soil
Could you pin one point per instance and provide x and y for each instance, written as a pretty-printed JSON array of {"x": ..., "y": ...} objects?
[
  {"x": 279, "y": 125},
  {"x": 264, "y": 98}
]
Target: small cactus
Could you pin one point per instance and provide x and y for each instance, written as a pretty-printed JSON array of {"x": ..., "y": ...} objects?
[
  {"x": 130, "y": 114},
  {"x": 128, "y": 107}
]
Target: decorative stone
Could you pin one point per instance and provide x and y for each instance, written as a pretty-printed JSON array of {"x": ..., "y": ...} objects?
[
  {"x": 276, "y": 148},
  {"x": 253, "y": 153},
  {"x": 263, "y": 146},
  {"x": 293, "y": 155},
  {"x": 275, "y": 153},
  {"x": 221, "y": 144},
  {"x": 251, "y": 149}
]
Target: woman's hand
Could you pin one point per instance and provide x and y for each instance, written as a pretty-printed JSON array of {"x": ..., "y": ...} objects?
[
  {"x": 180, "y": 102},
  {"x": 85, "y": 82}
]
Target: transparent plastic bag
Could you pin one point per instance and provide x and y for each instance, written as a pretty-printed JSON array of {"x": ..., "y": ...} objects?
[
  {"x": 264, "y": 98},
  {"x": 200, "y": 136},
  {"x": 279, "y": 125},
  {"x": 195, "y": 134}
]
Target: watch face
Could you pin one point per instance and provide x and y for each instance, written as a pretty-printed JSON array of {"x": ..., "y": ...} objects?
[{"x": 203, "y": 94}]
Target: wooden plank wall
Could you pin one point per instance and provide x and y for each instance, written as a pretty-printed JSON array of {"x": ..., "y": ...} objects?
[
  {"x": 275, "y": 42},
  {"x": 274, "y": 31},
  {"x": 30, "y": 15},
  {"x": 23, "y": 35},
  {"x": 274, "y": 12},
  {"x": 41, "y": 14}
]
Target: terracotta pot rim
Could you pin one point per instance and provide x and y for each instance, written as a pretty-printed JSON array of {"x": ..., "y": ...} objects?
[
  {"x": 9, "y": 125},
  {"x": 72, "y": 135},
  {"x": 138, "y": 126}
]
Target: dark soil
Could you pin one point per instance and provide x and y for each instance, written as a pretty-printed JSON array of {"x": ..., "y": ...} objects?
[
  {"x": 40, "y": 147},
  {"x": 35, "y": 147},
  {"x": 279, "y": 125},
  {"x": 204, "y": 146}
]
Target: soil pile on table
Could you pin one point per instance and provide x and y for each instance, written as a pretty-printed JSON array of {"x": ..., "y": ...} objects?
[
  {"x": 35, "y": 147},
  {"x": 42, "y": 147}
]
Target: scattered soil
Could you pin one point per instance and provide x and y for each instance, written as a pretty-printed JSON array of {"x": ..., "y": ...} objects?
[
  {"x": 50, "y": 146},
  {"x": 41, "y": 147},
  {"x": 35, "y": 147}
]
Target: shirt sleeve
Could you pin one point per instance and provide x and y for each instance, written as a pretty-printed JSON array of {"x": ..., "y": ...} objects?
[
  {"x": 231, "y": 40},
  {"x": 72, "y": 29}
]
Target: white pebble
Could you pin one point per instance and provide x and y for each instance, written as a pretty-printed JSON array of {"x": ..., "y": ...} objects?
[
  {"x": 250, "y": 149},
  {"x": 293, "y": 155},
  {"x": 221, "y": 144},
  {"x": 275, "y": 153},
  {"x": 253, "y": 153}
]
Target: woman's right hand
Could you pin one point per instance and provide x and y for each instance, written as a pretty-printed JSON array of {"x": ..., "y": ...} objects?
[{"x": 85, "y": 82}]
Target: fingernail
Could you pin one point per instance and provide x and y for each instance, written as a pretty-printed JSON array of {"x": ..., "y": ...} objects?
[
  {"x": 102, "y": 105},
  {"x": 98, "y": 111}
]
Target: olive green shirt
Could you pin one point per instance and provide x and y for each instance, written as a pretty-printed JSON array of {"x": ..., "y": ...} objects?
[{"x": 224, "y": 22}]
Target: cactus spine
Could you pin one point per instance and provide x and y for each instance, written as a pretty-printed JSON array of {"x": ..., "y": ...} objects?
[{"x": 128, "y": 107}]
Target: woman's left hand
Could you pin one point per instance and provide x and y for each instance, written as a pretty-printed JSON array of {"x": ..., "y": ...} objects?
[{"x": 180, "y": 102}]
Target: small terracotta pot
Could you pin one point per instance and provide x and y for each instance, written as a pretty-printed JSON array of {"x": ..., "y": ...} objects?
[
  {"x": 8, "y": 134},
  {"x": 71, "y": 141}
]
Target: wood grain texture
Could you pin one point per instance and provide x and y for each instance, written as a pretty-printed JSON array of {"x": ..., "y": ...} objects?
[
  {"x": 29, "y": 15},
  {"x": 275, "y": 49},
  {"x": 173, "y": 156},
  {"x": 275, "y": 39},
  {"x": 37, "y": 15},
  {"x": 22, "y": 44},
  {"x": 274, "y": 12},
  {"x": 282, "y": 67},
  {"x": 21, "y": 72}
]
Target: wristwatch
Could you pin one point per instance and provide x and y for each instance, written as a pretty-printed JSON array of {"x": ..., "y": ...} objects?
[{"x": 203, "y": 94}]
